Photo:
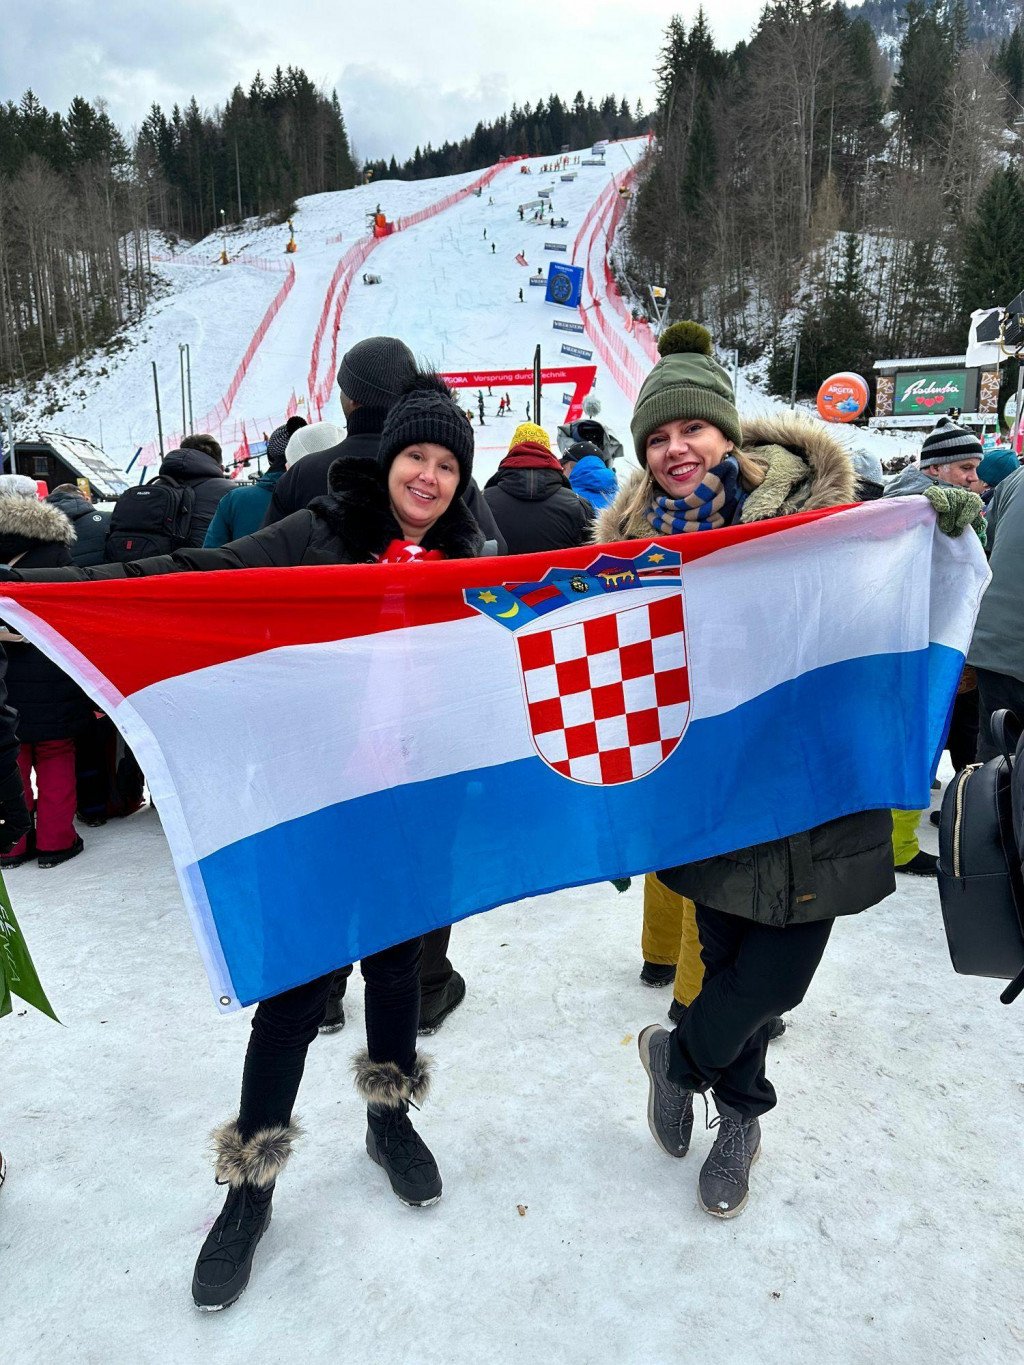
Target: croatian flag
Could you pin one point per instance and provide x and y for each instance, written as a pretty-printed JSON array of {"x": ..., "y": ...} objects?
[{"x": 344, "y": 757}]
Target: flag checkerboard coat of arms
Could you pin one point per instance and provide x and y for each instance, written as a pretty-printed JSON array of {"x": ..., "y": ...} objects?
[{"x": 602, "y": 654}]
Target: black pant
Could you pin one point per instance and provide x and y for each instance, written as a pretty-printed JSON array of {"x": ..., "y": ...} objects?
[
  {"x": 752, "y": 972},
  {"x": 435, "y": 969},
  {"x": 996, "y": 692},
  {"x": 962, "y": 739},
  {"x": 284, "y": 1026}
]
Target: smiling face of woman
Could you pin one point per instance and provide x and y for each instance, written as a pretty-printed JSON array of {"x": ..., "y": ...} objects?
[
  {"x": 679, "y": 454},
  {"x": 422, "y": 482}
]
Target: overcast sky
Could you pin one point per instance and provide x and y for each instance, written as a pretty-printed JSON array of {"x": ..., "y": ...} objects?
[{"x": 406, "y": 71}]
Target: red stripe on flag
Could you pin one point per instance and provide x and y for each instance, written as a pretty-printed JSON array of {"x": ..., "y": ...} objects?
[{"x": 139, "y": 631}]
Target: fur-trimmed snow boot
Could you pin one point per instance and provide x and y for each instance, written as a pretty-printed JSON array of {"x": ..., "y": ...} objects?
[
  {"x": 249, "y": 1168},
  {"x": 391, "y": 1140},
  {"x": 724, "y": 1181}
]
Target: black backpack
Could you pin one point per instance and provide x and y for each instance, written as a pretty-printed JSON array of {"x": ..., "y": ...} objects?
[
  {"x": 152, "y": 519},
  {"x": 981, "y": 886}
]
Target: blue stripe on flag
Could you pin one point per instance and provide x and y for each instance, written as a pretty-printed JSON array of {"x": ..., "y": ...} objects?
[{"x": 356, "y": 877}]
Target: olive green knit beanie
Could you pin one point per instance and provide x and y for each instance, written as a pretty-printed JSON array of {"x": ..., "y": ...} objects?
[{"x": 685, "y": 383}]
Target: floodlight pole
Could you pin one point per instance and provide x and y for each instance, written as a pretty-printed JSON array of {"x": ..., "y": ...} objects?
[
  {"x": 159, "y": 422},
  {"x": 796, "y": 367},
  {"x": 181, "y": 368}
]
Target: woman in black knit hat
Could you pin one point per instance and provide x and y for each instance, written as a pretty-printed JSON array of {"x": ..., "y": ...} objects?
[{"x": 404, "y": 505}]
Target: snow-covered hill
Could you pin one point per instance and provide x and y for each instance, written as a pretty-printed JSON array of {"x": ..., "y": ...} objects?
[{"x": 449, "y": 287}]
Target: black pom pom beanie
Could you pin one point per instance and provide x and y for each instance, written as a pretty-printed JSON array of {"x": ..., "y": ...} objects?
[
  {"x": 427, "y": 411},
  {"x": 685, "y": 383}
]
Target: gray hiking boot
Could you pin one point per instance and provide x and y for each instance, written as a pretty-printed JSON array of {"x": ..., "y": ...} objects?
[
  {"x": 724, "y": 1177},
  {"x": 669, "y": 1107}
]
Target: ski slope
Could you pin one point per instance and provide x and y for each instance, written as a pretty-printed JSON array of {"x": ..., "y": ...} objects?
[{"x": 443, "y": 289}]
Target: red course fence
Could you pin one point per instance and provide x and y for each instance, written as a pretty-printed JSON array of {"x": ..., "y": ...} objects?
[
  {"x": 214, "y": 420},
  {"x": 320, "y": 385}
]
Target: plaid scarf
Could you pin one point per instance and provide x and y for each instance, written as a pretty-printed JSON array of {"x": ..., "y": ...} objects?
[{"x": 714, "y": 503}]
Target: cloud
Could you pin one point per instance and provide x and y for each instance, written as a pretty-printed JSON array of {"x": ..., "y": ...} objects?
[
  {"x": 128, "y": 54},
  {"x": 387, "y": 113}
]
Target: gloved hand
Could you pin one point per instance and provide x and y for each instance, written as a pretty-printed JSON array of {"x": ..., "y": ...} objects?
[
  {"x": 15, "y": 821},
  {"x": 956, "y": 509},
  {"x": 622, "y": 883}
]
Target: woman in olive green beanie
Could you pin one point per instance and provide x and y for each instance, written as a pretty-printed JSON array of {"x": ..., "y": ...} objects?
[{"x": 763, "y": 914}]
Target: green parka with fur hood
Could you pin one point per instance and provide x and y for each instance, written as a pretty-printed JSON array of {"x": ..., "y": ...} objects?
[{"x": 845, "y": 865}]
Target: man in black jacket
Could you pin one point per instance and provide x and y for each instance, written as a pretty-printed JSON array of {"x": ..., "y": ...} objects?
[
  {"x": 196, "y": 463},
  {"x": 90, "y": 525},
  {"x": 372, "y": 374}
]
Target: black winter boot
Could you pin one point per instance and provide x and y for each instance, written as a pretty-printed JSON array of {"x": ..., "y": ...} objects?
[
  {"x": 249, "y": 1169},
  {"x": 725, "y": 1176},
  {"x": 334, "y": 1017},
  {"x": 657, "y": 974},
  {"x": 391, "y": 1140},
  {"x": 669, "y": 1106},
  {"x": 436, "y": 1008}
]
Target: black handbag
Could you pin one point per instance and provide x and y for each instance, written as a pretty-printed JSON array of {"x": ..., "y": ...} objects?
[{"x": 980, "y": 883}]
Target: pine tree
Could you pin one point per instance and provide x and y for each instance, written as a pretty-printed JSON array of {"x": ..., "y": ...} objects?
[
  {"x": 925, "y": 72},
  {"x": 992, "y": 273}
]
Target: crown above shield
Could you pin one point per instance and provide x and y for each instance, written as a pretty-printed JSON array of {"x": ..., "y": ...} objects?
[{"x": 515, "y": 604}]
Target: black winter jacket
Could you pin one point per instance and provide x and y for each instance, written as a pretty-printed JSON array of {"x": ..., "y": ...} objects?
[
  {"x": 350, "y": 525},
  {"x": 536, "y": 509},
  {"x": 204, "y": 475},
  {"x": 91, "y": 526},
  {"x": 48, "y": 703},
  {"x": 309, "y": 478}
]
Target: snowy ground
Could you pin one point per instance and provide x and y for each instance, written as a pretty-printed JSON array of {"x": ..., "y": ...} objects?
[{"x": 885, "y": 1220}]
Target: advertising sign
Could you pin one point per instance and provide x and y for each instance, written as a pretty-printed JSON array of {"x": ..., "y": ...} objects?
[
  {"x": 577, "y": 351},
  {"x": 929, "y": 393},
  {"x": 843, "y": 397},
  {"x": 561, "y": 326},
  {"x": 565, "y": 284}
]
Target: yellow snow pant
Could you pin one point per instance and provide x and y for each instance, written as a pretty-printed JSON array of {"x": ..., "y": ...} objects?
[
  {"x": 904, "y": 836},
  {"x": 670, "y": 937}
]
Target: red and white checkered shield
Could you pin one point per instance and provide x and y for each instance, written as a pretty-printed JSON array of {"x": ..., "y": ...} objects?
[{"x": 608, "y": 697}]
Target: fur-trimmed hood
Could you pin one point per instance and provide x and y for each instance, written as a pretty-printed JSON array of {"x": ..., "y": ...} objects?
[
  {"x": 33, "y": 522},
  {"x": 806, "y": 468},
  {"x": 358, "y": 511}
]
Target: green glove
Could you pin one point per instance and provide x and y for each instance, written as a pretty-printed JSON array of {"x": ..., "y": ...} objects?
[
  {"x": 622, "y": 883},
  {"x": 956, "y": 508}
]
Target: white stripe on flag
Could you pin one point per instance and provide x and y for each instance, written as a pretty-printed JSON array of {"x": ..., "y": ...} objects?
[{"x": 425, "y": 702}]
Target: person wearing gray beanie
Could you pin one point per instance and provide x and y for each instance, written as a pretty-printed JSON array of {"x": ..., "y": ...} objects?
[
  {"x": 373, "y": 372},
  {"x": 952, "y": 453},
  {"x": 949, "y": 458}
]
